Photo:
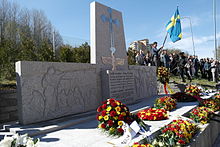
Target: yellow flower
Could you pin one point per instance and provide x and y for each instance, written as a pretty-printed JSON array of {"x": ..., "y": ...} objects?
[
  {"x": 111, "y": 129},
  {"x": 117, "y": 103},
  {"x": 118, "y": 109},
  {"x": 116, "y": 117},
  {"x": 106, "y": 117},
  {"x": 109, "y": 108},
  {"x": 99, "y": 125},
  {"x": 123, "y": 113},
  {"x": 148, "y": 114},
  {"x": 120, "y": 123},
  {"x": 100, "y": 117}
]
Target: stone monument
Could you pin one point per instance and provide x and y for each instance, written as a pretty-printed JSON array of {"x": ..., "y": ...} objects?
[
  {"x": 49, "y": 90},
  {"x": 108, "y": 48}
]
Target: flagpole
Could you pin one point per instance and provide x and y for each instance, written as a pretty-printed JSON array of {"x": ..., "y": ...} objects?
[{"x": 165, "y": 39}]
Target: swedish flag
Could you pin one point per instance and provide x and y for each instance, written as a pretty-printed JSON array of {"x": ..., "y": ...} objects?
[{"x": 173, "y": 27}]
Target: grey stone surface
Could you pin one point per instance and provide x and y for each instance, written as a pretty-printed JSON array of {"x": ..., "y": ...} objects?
[
  {"x": 119, "y": 85},
  {"x": 8, "y": 106},
  {"x": 145, "y": 81},
  {"x": 208, "y": 135},
  {"x": 49, "y": 90},
  {"x": 101, "y": 39}
]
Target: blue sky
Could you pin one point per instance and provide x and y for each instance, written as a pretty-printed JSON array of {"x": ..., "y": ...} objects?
[{"x": 142, "y": 19}]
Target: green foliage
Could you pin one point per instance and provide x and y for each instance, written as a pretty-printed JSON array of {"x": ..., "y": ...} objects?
[
  {"x": 82, "y": 53},
  {"x": 79, "y": 54},
  {"x": 66, "y": 53},
  {"x": 131, "y": 57}
]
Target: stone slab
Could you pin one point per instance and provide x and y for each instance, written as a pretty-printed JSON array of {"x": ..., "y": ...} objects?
[
  {"x": 100, "y": 36},
  {"x": 119, "y": 85},
  {"x": 145, "y": 81},
  {"x": 48, "y": 90}
]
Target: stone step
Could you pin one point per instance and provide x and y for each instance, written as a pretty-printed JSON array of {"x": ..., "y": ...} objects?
[
  {"x": 65, "y": 122},
  {"x": 49, "y": 126}
]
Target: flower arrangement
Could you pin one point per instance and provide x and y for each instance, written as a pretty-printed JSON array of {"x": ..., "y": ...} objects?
[
  {"x": 111, "y": 116},
  {"x": 163, "y": 75},
  {"x": 177, "y": 133},
  {"x": 193, "y": 90},
  {"x": 166, "y": 103},
  {"x": 201, "y": 114},
  {"x": 19, "y": 141},
  {"x": 216, "y": 97},
  {"x": 212, "y": 104},
  {"x": 136, "y": 144},
  {"x": 183, "y": 97},
  {"x": 153, "y": 114}
]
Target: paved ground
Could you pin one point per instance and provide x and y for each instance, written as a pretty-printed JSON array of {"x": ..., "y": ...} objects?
[
  {"x": 87, "y": 135},
  {"x": 217, "y": 141}
]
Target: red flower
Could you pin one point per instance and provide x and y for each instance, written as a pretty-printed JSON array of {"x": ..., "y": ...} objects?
[
  {"x": 111, "y": 101},
  {"x": 120, "y": 130},
  {"x": 97, "y": 116},
  {"x": 103, "y": 126},
  {"x": 181, "y": 141},
  {"x": 121, "y": 117},
  {"x": 112, "y": 113},
  {"x": 110, "y": 123},
  {"x": 113, "y": 104},
  {"x": 103, "y": 112},
  {"x": 104, "y": 106},
  {"x": 104, "y": 102},
  {"x": 99, "y": 109}
]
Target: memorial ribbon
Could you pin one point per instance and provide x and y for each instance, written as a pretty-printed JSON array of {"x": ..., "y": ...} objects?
[
  {"x": 165, "y": 88},
  {"x": 169, "y": 89}
]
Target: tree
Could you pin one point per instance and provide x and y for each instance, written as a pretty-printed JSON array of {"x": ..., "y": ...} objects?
[
  {"x": 66, "y": 53},
  {"x": 82, "y": 53},
  {"x": 131, "y": 57}
]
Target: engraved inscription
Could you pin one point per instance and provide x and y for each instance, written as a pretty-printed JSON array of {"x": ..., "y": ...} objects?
[{"x": 121, "y": 84}]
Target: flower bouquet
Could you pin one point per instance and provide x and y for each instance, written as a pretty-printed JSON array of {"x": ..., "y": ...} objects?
[
  {"x": 193, "y": 90},
  {"x": 183, "y": 97},
  {"x": 212, "y": 104},
  {"x": 153, "y": 114},
  {"x": 111, "y": 115},
  {"x": 19, "y": 141},
  {"x": 166, "y": 103},
  {"x": 177, "y": 133},
  {"x": 201, "y": 114},
  {"x": 136, "y": 144},
  {"x": 216, "y": 97},
  {"x": 163, "y": 75}
]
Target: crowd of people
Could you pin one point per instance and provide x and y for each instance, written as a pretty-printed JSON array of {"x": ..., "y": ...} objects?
[{"x": 180, "y": 64}]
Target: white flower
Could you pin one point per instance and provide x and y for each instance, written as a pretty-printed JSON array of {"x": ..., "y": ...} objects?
[
  {"x": 6, "y": 142},
  {"x": 30, "y": 143},
  {"x": 20, "y": 140}
]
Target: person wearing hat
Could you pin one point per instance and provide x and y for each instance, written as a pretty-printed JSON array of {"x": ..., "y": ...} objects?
[{"x": 155, "y": 54}]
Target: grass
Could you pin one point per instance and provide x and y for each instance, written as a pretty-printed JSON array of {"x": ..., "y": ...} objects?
[
  {"x": 7, "y": 84},
  {"x": 203, "y": 82}
]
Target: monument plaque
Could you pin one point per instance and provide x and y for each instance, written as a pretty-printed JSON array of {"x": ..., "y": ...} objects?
[{"x": 121, "y": 85}]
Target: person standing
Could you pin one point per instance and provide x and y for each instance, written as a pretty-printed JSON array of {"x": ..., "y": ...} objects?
[
  {"x": 165, "y": 59},
  {"x": 155, "y": 54},
  {"x": 196, "y": 65},
  {"x": 182, "y": 67},
  {"x": 213, "y": 70}
]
